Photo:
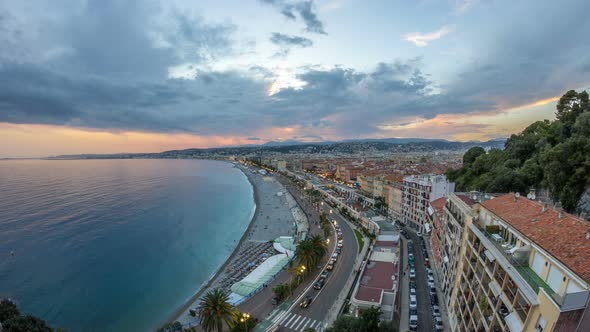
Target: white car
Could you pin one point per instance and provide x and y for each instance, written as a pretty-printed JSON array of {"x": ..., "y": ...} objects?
[
  {"x": 412, "y": 291},
  {"x": 413, "y": 303},
  {"x": 412, "y": 273},
  {"x": 413, "y": 322},
  {"x": 435, "y": 311}
]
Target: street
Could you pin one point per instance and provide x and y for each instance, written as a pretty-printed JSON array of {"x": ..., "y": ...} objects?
[
  {"x": 313, "y": 316},
  {"x": 425, "y": 322}
]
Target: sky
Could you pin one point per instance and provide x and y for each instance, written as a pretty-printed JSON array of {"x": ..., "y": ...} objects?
[{"x": 146, "y": 76}]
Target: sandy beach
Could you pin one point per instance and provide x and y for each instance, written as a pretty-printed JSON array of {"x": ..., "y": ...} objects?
[{"x": 272, "y": 218}]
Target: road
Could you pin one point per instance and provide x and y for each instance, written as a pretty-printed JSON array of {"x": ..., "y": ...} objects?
[
  {"x": 425, "y": 322},
  {"x": 298, "y": 319}
]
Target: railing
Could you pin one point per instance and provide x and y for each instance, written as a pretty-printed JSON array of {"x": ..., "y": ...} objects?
[{"x": 567, "y": 302}]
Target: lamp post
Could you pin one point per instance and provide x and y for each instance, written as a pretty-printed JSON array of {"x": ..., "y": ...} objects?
[{"x": 244, "y": 320}]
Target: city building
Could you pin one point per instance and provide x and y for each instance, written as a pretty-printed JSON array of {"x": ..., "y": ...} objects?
[
  {"x": 379, "y": 278},
  {"x": 417, "y": 192},
  {"x": 392, "y": 192},
  {"x": 521, "y": 266}
]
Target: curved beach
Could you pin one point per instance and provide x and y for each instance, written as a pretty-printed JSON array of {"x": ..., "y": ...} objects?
[{"x": 272, "y": 218}]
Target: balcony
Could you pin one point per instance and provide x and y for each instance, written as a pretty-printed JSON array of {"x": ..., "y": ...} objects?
[{"x": 519, "y": 259}]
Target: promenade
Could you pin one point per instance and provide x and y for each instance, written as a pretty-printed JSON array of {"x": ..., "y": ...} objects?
[{"x": 272, "y": 218}]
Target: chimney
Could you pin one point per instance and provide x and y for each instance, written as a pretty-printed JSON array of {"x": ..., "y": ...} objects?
[
  {"x": 544, "y": 207},
  {"x": 588, "y": 234},
  {"x": 561, "y": 215}
]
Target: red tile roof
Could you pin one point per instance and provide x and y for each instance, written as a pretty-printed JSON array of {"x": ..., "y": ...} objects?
[
  {"x": 564, "y": 238},
  {"x": 376, "y": 278},
  {"x": 466, "y": 199},
  {"x": 439, "y": 204}
]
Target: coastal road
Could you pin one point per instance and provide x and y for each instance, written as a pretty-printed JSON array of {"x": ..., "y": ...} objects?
[{"x": 299, "y": 319}]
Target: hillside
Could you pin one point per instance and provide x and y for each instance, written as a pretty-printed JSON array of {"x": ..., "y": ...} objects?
[{"x": 552, "y": 155}]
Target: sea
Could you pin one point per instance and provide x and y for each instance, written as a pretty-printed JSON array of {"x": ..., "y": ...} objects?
[{"x": 115, "y": 245}]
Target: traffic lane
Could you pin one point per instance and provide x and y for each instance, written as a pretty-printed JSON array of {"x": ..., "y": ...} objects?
[
  {"x": 324, "y": 298},
  {"x": 422, "y": 290}
]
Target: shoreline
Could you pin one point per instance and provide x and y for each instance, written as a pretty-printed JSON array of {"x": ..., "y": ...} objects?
[{"x": 176, "y": 315}]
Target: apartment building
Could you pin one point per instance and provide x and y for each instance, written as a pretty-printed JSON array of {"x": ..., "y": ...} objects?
[
  {"x": 347, "y": 173},
  {"x": 520, "y": 266},
  {"x": 417, "y": 192},
  {"x": 371, "y": 184},
  {"x": 392, "y": 193}
]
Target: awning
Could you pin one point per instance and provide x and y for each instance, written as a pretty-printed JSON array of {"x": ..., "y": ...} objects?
[
  {"x": 495, "y": 288},
  {"x": 513, "y": 322},
  {"x": 489, "y": 255}
]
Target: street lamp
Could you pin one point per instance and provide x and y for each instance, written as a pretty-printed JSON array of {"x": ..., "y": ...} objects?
[{"x": 244, "y": 321}]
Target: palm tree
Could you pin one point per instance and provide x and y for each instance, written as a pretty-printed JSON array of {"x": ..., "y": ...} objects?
[
  {"x": 214, "y": 309},
  {"x": 306, "y": 254},
  {"x": 320, "y": 246}
]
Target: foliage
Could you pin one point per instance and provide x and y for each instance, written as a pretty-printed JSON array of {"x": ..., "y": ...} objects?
[
  {"x": 170, "y": 327},
  {"x": 553, "y": 155},
  {"x": 310, "y": 251},
  {"x": 12, "y": 320},
  {"x": 25, "y": 324},
  {"x": 8, "y": 310},
  {"x": 493, "y": 229},
  {"x": 369, "y": 321},
  {"x": 214, "y": 310},
  {"x": 359, "y": 239},
  {"x": 371, "y": 318},
  {"x": 281, "y": 291}
]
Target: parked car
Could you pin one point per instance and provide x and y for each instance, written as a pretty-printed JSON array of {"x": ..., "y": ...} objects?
[
  {"x": 275, "y": 300},
  {"x": 306, "y": 302},
  {"x": 413, "y": 311},
  {"x": 435, "y": 311},
  {"x": 340, "y": 244},
  {"x": 413, "y": 322},
  {"x": 430, "y": 279},
  {"x": 412, "y": 291},
  {"x": 432, "y": 291},
  {"x": 325, "y": 274},
  {"x": 412, "y": 273},
  {"x": 319, "y": 284},
  {"x": 339, "y": 250},
  {"x": 330, "y": 267},
  {"x": 434, "y": 299},
  {"x": 438, "y": 324},
  {"x": 413, "y": 303},
  {"x": 412, "y": 284}
]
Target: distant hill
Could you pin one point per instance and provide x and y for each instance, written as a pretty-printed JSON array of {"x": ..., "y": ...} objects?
[{"x": 391, "y": 145}]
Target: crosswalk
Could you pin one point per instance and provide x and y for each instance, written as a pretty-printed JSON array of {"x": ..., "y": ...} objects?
[{"x": 294, "y": 322}]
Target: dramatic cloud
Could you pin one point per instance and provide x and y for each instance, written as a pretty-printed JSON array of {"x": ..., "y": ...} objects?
[
  {"x": 287, "y": 40},
  {"x": 422, "y": 39},
  {"x": 115, "y": 66},
  {"x": 303, "y": 9}
]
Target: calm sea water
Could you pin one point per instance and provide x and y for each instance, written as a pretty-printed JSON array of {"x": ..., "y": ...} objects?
[{"x": 115, "y": 245}]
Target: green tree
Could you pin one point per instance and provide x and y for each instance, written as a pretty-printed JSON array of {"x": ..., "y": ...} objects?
[
  {"x": 472, "y": 154},
  {"x": 281, "y": 291},
  {"x": 347, "y": 324},
  {"x": 25, "y": 324},
  {"x": 371, "y": 318},
  {"x": 215, "y": 309},
  {"x": 8, "y": 310}
]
